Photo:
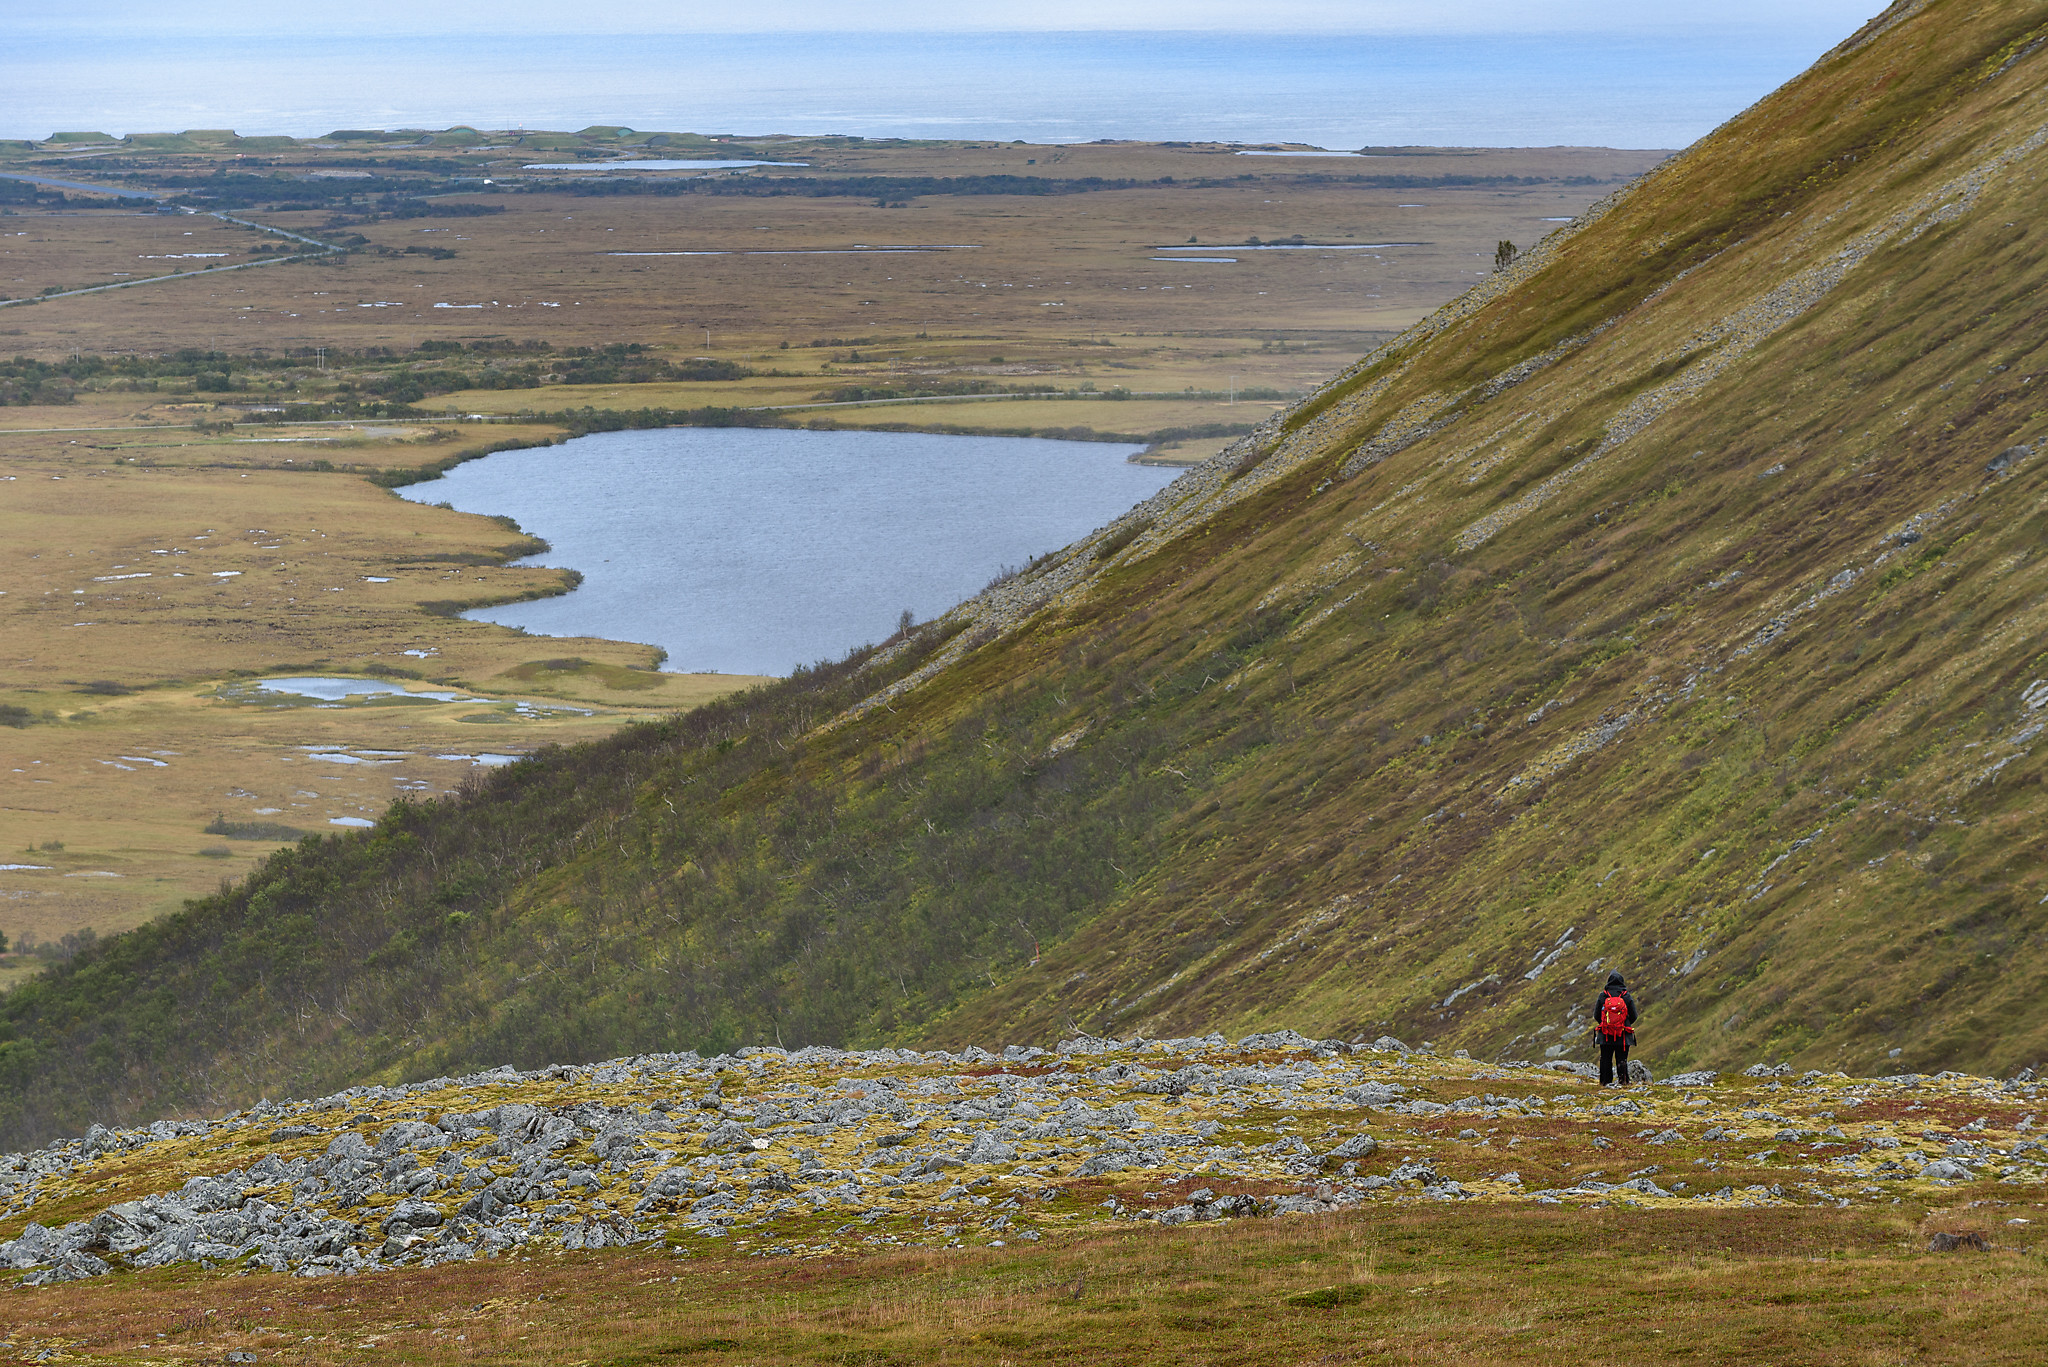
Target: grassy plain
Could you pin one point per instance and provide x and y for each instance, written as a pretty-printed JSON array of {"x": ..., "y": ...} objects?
[
  {"x": 1012, "y": 268},
  {"x": 147, "y": 566},
  {"x": 266, "y": 550}
]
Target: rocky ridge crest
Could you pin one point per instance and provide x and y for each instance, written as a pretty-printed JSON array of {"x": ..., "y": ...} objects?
[{"x": 822, "y": 1151}]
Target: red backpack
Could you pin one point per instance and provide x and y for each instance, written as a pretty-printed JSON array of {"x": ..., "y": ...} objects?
[{"x": 1614, "y": 1017}]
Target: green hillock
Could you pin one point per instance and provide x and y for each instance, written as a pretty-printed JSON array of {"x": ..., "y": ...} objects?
[
  {"x": 161, "y": 142},
  {"x": 1672, "y": 602}
]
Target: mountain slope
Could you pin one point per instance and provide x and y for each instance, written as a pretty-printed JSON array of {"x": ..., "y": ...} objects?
[{"x": 1672, "y": 602}]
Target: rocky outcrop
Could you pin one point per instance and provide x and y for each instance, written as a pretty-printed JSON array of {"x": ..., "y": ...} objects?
[{"x": 822, "y": 1149}]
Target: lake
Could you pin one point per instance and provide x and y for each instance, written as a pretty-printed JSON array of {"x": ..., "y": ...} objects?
[{"x": 753, "y": 551}]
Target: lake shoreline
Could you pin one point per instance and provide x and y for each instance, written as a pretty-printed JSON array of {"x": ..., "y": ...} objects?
[
  {"x": 576, "y": 424},
  {"x": 759, "y": 549}
]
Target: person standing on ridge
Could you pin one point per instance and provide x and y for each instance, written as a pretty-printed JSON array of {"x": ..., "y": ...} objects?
[{"x": 1614, "y": 1017}]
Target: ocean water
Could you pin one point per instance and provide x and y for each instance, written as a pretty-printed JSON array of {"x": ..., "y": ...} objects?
[
  {"x": 752, "y": 551},
  {"x": 1329, "y": 90}
]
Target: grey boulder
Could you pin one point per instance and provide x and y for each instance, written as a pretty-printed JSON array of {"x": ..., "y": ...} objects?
[
  {"x": 38, "y": 1244},
  {"x": 1374, "y": 1094},
  {"x": 408, "y": 1135},
  {"x": 1277, "y": 1039},
  {"x": 988, "y": 1149},
  {"x": 410, "y": 1215},
  {"x": 348, "y": 1144},
  {"x": 730, "y": 1135},
  {"x": 210, "y": 1193},
  {"x": 71, "y": 1267},
  {"x": 1358, "y": 1146},
  {"x": 1103, "y": 1162}
]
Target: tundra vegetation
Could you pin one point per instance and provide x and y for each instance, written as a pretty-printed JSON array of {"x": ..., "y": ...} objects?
[
  {"x": 1045, "y": 1204},
  {"x": 1670, "y": 601},
  {"x": 412, "y": 301}
]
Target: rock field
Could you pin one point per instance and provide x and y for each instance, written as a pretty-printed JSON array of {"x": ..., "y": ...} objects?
[{"x": 822, "y": 1151}]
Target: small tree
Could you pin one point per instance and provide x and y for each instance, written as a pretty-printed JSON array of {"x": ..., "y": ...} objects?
[{"x": 1504, "y": 255}]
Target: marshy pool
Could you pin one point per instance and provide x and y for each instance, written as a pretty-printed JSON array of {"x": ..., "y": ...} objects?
[
  {"x": 755, "y": 550},
  {"x": 335, "y": 690}
]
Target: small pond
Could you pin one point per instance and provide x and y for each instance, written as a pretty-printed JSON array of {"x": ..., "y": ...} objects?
[{"x": 341, "y": 690}]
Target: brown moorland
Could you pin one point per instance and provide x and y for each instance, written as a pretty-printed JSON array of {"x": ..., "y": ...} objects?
[
  {"x": 1456, "y": 1285},
  {"x": 1673, "y": 601},
  {"x": 310, "y": 568},
  {"x": 549, "y": 263},
  {"x": 1668, "y": 602}
]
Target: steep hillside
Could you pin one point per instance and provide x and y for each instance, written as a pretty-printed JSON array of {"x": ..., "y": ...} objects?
[{"x": 1673, "y": 602}]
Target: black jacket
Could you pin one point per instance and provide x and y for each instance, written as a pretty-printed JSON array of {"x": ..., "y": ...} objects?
[{"x": 1605, "y": 993}]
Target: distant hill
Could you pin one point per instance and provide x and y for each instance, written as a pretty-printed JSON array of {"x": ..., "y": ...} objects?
[{"x": 1674, "y": 601}]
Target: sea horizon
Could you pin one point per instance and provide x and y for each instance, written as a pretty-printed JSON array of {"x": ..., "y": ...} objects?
[{"x": 1336, "y": 91}]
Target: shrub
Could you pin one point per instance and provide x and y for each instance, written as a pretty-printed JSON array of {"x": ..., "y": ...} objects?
[
  {"x": 249, "y": 830},
  {"x": 1122, "y": 537}
]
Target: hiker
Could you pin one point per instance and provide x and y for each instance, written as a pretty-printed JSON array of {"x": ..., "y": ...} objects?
[{"x": 1614, "y": 1017}]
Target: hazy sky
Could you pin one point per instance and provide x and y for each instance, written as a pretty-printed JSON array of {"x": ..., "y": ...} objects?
[
  {"x": 168, "y": 18},
  {"x": 1335, "y": 73}
]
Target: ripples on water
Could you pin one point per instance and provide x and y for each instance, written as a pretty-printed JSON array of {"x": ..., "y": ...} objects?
[{"x": 752, "y": 551}]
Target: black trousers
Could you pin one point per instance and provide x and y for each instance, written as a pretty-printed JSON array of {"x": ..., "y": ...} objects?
[{"x": 1613, "y": 1061}]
